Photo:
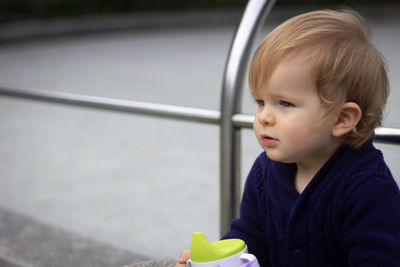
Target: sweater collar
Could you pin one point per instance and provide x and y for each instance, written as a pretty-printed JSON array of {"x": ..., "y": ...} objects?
[{"x": 287, "y": 171}]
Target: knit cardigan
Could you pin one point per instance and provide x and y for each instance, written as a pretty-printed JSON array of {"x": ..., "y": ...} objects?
[{"x": 348, "y": 215}]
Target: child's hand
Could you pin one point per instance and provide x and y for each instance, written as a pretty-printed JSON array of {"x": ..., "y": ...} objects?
[{"x": 185, "y": 255}]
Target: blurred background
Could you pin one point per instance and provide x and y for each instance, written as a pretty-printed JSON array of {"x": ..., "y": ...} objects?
[
  {"x": 27, "y": 9},
  {"x": 124, "y": 188}
]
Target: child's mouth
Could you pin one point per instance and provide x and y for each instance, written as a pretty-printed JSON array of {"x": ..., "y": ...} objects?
[{"x": 268, "y": 141}]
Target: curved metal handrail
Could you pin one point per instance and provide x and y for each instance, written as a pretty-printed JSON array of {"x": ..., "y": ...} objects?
[
  {"x": 254, "y": 15},
  {"x": 114, "y": 104}
]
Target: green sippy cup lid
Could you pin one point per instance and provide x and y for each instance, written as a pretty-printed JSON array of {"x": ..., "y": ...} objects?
[{"x": 203, "y": 251}]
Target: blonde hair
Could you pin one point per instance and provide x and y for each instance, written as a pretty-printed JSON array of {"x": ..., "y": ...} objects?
[{"x": 345, "y": 64}]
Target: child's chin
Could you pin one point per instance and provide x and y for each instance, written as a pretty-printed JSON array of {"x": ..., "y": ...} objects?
[{"x": 276, "y": 156}]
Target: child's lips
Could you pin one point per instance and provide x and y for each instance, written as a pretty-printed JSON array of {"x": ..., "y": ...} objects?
[{"x": 268, "y": 141}]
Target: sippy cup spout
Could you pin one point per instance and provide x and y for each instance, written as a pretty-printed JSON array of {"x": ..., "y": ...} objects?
[
  {"x": 201, "y": 247},
  {"x": 223, "y": 253},
  {"x": 204, "y": 251}
]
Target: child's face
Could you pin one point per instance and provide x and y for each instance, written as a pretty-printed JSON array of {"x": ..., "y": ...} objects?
[{"x": 290, "y": 123}]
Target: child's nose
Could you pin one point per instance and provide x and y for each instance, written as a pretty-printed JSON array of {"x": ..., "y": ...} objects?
[{"x": 266, "y": 116}]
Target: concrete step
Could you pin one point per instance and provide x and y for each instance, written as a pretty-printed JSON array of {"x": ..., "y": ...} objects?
[
  {"x": 154, "y": 263},
  {"x": 25, "y": 242}
]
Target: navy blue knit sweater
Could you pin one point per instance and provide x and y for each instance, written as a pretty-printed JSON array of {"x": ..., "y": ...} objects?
[{"x": 348, "y": 215}]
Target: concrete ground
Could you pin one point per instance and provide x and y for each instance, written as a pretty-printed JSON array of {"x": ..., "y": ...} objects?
[
  {"x": 27, "y": 242},
  {"x": 136, "y": 183}
]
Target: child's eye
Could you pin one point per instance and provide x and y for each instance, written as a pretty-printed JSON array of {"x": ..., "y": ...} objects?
[
  {"x": 260, "y": 102},
  {"x": 285, "y": 103}
]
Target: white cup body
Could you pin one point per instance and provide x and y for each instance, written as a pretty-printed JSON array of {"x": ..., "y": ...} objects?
[{"x": 236, "y": 260}]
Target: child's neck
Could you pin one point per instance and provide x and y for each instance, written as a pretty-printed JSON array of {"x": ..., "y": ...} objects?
[
  {"x": 306, "y": 171},
  {"x": 302, "y": 179}
]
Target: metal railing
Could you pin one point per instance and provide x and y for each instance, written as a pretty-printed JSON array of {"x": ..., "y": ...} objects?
[{"x": 229, "y": 118}]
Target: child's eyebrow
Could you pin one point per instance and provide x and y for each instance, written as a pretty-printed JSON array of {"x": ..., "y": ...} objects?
[{"x": 280, "y": 94}]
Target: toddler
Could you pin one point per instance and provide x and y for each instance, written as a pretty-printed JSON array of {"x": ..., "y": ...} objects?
[{"x": 321, "y": 193}]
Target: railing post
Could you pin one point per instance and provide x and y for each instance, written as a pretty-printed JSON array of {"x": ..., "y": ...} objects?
[{"x": 230, "y": 138}]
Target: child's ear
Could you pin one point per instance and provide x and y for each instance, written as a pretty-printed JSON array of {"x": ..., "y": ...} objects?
[{"x": 348, "y": 117}]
